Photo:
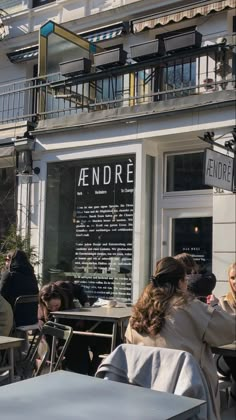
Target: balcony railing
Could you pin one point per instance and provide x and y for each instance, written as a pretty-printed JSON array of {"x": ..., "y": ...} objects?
[{"x": 195, "y": 72}]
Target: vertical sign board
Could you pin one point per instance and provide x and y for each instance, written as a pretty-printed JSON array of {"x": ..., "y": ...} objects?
[
  {"x": 104, "y": 227},
  {"x": 218, "y": 170}
]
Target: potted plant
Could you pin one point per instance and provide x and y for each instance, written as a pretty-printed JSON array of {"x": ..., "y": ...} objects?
[{"x": 13, "y": 240}]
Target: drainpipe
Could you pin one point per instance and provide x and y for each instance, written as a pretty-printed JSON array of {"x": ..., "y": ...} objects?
[{"x": 24, "y": 147}]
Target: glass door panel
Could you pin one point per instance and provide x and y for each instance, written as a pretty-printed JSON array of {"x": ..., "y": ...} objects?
[{"x": 193, "y": 235}]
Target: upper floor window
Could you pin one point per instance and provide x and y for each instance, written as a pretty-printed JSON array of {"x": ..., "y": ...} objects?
[
  {"x": 37, "y": 3},
  {"x": 179, "y": 75},
  {"x": 184, "y": 172}
]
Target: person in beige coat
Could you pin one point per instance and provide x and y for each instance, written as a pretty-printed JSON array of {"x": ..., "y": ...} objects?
[
  {"x": 6, "y": 317},
  {"x": 167, "y": 316}
]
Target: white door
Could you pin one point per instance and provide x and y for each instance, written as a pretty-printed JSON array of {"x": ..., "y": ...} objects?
[{"x": 190, "y": 231}]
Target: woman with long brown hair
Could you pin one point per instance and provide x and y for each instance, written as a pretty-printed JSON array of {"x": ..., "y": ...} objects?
[
  {"x": 166, "y": 315},
  {"x": 59, "y": 297}
]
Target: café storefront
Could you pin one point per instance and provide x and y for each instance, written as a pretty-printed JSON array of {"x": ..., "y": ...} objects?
[{"x": 108, "y": 218}]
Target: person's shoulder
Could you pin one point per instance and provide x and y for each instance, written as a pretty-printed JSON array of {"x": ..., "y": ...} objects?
[
  {"x": 5, "y": 276},
  {"x": 223, "y": 302},
  {"x": 223, "y": 298},
  {"x": 4, "y": 304},
  {"x": 198, "y": 307}
]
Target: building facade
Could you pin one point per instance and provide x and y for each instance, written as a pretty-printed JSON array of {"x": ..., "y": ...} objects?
[{"x": 101, "y": 110}]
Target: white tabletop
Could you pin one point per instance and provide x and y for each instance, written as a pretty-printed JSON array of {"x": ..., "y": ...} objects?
[
  {"x": 226, "y": 350},
  {"x": 9, "y": 342},
  {"x": 65, "y": 395},
  {"x": 97, "y": 314}
]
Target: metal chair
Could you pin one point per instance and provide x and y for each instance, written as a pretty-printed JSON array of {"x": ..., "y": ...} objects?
[
  {"x": 160, "y": 369},
  {"x": 224, "y": 379},
  {"x": 22, "y": 303},
  {"x": 38, "y": 357}
]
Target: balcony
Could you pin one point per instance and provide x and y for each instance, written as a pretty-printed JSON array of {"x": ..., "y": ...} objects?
[{"x": 159, "y": 81}]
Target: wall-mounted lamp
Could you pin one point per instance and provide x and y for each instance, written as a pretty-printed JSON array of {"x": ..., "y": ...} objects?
[
  {"x": 36, "y": 170},
  {"x": 24, "y": 147},
  {"x": 231, "y": 144},
  {"x": 24, "y": 162}
]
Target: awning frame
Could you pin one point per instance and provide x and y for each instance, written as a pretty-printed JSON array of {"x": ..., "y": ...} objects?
[
  {"x": 179, "y": 14},
  {"x": 107, "y": 32},
  {"x": 24, "y": 54},
  {"x": 97, "y": 35}
]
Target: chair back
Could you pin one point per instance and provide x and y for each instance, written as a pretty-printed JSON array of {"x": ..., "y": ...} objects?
[
  {"x": 26, "y": 310},
  {"x": 43, "y": 352},
  {"x": 161, "y": 369},
  {"x": 38, "y": 357}
]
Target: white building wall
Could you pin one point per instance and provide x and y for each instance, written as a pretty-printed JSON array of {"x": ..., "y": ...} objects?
[
  {"x": 151, "y": 137},
  {"x": 224, "y": 237},
  {"x": 10, "y": 72},
  {"x": 154, "y": 137}
]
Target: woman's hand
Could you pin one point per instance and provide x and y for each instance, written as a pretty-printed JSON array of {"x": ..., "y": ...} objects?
[
  {"x": 212, "y": 300},
  {"x": 41, "y": 323}
]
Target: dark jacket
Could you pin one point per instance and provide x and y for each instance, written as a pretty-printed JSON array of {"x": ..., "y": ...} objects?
[{"x": 20, "y": 280}]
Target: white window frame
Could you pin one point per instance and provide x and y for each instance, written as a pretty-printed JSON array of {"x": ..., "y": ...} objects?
[{"x": 166, "y": 193}]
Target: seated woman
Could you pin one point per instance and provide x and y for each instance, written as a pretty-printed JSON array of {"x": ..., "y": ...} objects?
[
  {"x": 56, "y": 297},
  {"x": 188, "y": 261},
  {"x": 227, "y": 365},
  {"x": 228, "y": 302},
  {"x": 6, "y": 320},
  {"x": 19, "y": 279},
  {"x": 166, "y": 315},
  {"x": 6, "y": 317},
  {"x": 74, "y": 291}
]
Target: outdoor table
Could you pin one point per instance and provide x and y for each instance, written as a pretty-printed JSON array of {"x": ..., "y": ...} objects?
[
  {"x": 65, "y": 395},
  {"x": 226, "y": 350},
  {"x": 114, "y": 315},
  {"x": 9, "y": 344}
]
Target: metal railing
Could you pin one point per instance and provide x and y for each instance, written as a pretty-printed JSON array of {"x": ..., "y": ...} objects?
[{"x": 195, "y": 72}]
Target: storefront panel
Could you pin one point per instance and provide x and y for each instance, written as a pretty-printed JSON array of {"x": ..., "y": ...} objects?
[{"x": 92, "y": 227}]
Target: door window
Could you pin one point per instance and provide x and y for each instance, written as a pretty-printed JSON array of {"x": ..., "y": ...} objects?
[{"x": 193, "y": 235}]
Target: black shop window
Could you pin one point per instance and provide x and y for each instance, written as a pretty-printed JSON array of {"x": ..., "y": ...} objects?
[{"x": 184, "y": 172}]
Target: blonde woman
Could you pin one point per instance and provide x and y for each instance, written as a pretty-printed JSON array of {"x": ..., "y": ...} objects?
[
  {"x": 228, "y": 302},
  {"x": 225, "y": 364}
]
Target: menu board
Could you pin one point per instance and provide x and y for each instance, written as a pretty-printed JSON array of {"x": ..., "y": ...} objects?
[{"x": 104, "y": 227}]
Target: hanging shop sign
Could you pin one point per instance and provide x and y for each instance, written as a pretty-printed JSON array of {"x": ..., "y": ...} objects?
[
  {"x": 218, "y": 170},
  {"x": 104, "y": 227}
]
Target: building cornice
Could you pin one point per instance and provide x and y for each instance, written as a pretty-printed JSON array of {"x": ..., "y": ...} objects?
[{"x": 135, "y": 113}]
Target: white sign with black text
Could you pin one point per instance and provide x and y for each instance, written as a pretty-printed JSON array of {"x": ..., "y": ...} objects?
[{"x": 218, "y": 170}]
